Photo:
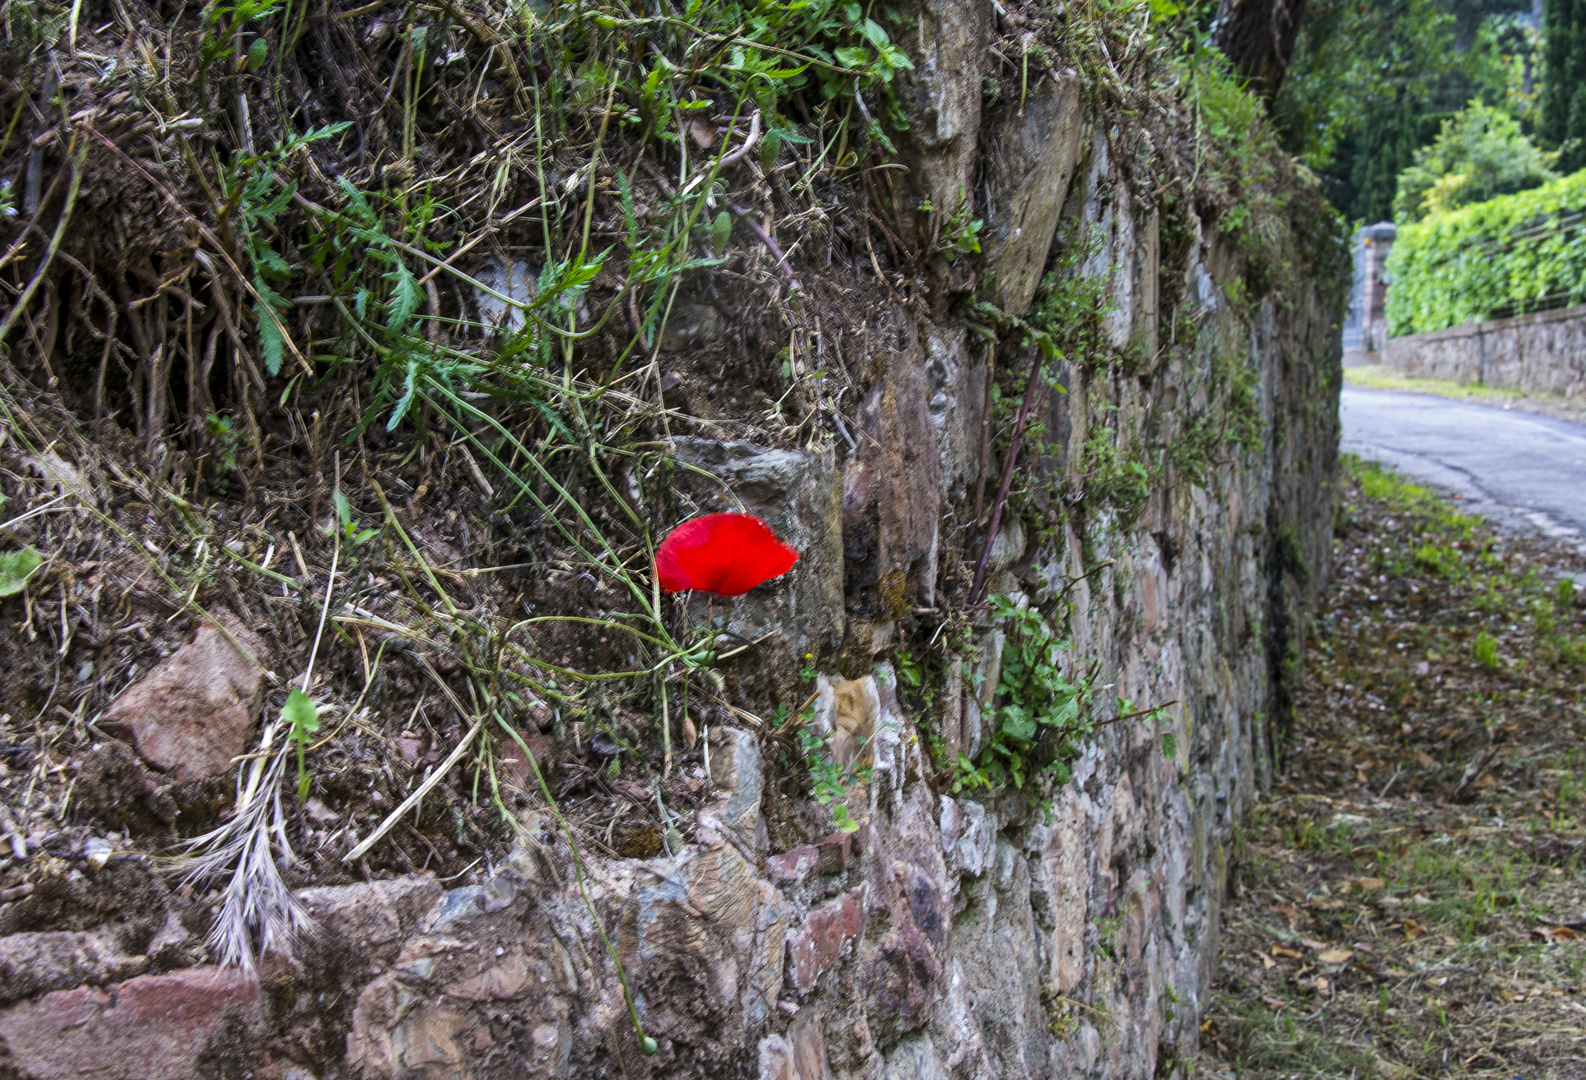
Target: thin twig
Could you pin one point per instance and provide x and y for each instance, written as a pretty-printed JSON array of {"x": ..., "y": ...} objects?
[
  {"x": 765, "y": 238},
  {"x": 55, "y": 242},
  {"x": 977, "y": 588}
]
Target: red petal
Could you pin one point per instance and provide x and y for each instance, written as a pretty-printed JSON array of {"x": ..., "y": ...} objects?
[{"x": 727, "y": 554}]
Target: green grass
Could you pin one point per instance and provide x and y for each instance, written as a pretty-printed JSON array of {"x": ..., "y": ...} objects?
[{"x": 1382, "y": 377}]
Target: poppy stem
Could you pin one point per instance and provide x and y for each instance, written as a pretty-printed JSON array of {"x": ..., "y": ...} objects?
[{"x": 666, "y": 733}]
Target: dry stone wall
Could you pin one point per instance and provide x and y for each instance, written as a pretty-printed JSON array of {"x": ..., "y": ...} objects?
[
  {"x": 1544, "y": 352},
  {"x": 1057, "y": 931}
]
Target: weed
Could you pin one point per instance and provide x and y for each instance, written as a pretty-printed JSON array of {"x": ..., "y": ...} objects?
[
  {"x": 830, "y": 782},
  {"x": 1038, "y": 716},
  {"x": 301, "y": 716},
  {"x": 1484, "y": 650}
]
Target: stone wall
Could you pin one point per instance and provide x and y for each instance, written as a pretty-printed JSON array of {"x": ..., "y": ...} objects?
[
  {"x": 1543, "y": 352},
  {"x": 1054, "y": 931}
]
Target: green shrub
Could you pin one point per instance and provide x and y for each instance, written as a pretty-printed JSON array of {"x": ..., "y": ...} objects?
[
  {"x": 1480, "y": 153},
  {"x": 1515, "y": 251}
]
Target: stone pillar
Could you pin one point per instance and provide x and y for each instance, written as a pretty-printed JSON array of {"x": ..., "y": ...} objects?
[{"x": 1377, "y": 241}]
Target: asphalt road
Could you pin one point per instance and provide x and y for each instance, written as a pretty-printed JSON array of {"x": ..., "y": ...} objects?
[{"x": 1525, "y": 471}]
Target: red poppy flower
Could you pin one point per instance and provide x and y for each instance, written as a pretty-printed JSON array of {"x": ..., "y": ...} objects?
[{"x": 727, "y": 554}]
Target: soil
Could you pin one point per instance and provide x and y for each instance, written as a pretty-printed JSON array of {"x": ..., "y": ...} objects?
[{"x": 1411, "y": 900}]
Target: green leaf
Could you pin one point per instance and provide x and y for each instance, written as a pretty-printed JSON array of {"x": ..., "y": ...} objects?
[
  {"x": 1169, "y": 745},
  {"x": 874, "y": 34},
  {"x": 15, "y": 568},
  {"x": 852, "y": 57},
  {"x": 301, "y": 712},
  {"x": 770, "y": 147},
  {"x": 721, "y": 233},
  {"x": 271, "y": 343}
]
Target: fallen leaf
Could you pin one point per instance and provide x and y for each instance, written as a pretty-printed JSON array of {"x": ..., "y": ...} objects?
[
  {"x": 1284, "y": 950},
  {"x": 1413, "y": 929},
  {"x": 1423, "y": 759},
  {"x": 63, "y": 474},
  {"x": 1555, "y": 934},
  {"x": 1322, "y": 984},
  {"x": 1276, "y": 1004},
  {"x": 1369, "y": 884},
  {"x": 1487, "y": 780},
  {"x": 1335, "y": 956},
  {"x": 1314, "y": 946},
  {"x": 1288, "y": 911},
  {"x": 1267, "y": 963},
  {"x": 703, "y": 132},
  {"x": 15, "y": 568}
]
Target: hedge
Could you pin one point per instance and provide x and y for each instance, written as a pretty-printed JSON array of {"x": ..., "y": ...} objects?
[{"x": 1512, "y": 253}]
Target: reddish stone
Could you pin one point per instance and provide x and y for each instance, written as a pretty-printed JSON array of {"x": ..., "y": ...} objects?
[
  {"x": 834, "y": 853},
  {"x": 816, "y": 945},
  {"x": 154, "y": 1027},
  {"x": 793, "y": 866},
  {"x": 191, "y": 715}
]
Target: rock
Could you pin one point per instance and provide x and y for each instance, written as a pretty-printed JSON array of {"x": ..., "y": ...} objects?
[
  {"x": 968, "y": 834},
  {"x": 35, "y": 963},
  {"x": 502, "y": 982},
  {"x": 190, "y": 716},
  {"x": 892, "y": 497},
  {"x": 820, "y": 940},
  {"x": 472, "y": 901},
  {"x": 703, "y": 921},
  {"x": 834, "y": 852},
  {"x": 1037, "y": 152},
  {"x": 692, "y": 324},
  {"x": 799, "y": 494},
  {"x": 856, "y": 711},
  {"x": 914, "y": 1059},
  {"x": 794, "y": 865},
  {"x": 941, "y": 98},
  {"x": 735, "y": 771},
  {"x": 901, "y": 968},
  {"x": 153, "y": 1027},
  {"x": 776, "y": 1059},
  {"x": 809, "y": 1047},
  {"x": 1007, "y": 548},
  {"x": 516, "y": 281},
  {"x": 799, "y": 1056},
  {"x": 396, "y": 1037},
  {"x": 374, "y": 917}
]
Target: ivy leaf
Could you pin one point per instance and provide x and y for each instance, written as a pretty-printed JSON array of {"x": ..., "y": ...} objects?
[{"x": 15, "y": 568}]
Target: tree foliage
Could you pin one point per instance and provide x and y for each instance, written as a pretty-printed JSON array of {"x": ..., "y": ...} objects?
[
  {"x": 1563, "y": 122},
  {"x": 1371, "y": 82},
  {"x": 1480, "y": 153}
]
